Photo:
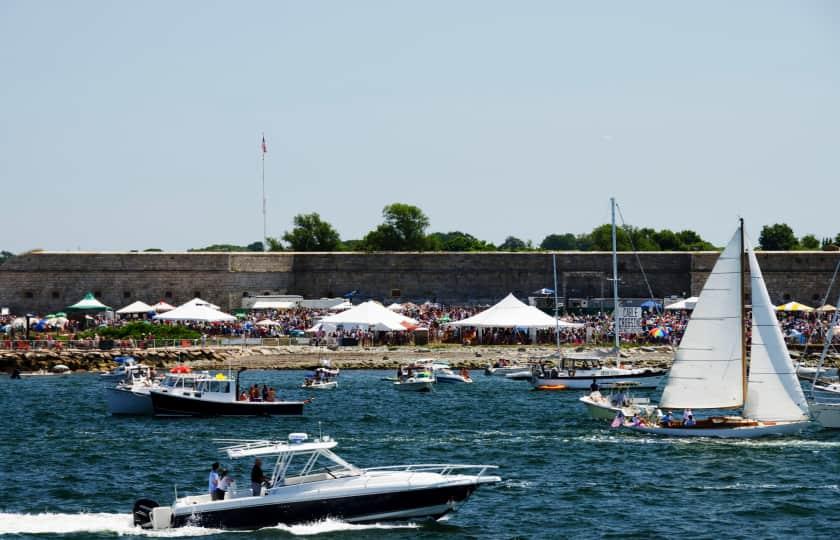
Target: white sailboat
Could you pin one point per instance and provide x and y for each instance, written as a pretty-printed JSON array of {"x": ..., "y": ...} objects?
[{"x": 710, "y": 367}]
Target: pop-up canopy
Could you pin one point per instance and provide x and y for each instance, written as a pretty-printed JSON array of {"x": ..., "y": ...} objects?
[
  {"x": 88, "y": 303},
  {"x": 135, "y": 307},
  {"x": 198, "y": 313},
  {"x": 513, "y": 313}
]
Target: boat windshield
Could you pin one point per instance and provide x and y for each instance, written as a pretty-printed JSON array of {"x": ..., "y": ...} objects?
[
  {"x": 312, "y": 466},
  {"x": 219, "y": 386},
  {"x": 172, "y": 381}
]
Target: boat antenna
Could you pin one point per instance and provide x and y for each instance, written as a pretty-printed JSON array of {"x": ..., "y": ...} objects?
[{"x": 743, "y": 293}]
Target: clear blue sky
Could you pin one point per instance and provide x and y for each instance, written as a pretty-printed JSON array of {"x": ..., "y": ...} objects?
[{"x": 130, "y": 125}]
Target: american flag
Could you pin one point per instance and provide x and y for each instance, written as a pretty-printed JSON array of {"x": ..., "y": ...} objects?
[{"x": 264, "y": 146}]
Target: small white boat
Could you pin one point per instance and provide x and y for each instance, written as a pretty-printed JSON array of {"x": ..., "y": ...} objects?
[
  {"x": 415, "y": 378},
  {"x": 618, "y": 400},
  {"x": 444, "y": 374},
  {"x": 503, "y": 368},
  {"x": 133, "y": 395},
  {"x": 322, "y": 378},
  {"x": 807, "y": 373},
  {"x": 577, "y": 371},
  {"x": 311, "y": 483},
  {"x": 125, "y": 365},
  {"x": 520, "y": 375}
]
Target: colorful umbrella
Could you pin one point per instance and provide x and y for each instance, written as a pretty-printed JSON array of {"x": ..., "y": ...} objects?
[{"x": 659, "y": 331}]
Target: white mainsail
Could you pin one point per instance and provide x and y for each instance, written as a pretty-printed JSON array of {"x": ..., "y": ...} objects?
[
  {"x": 773, "y": 391},
  {"x": 707, "y": 369}
]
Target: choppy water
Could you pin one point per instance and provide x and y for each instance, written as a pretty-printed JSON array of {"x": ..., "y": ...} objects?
[{"x": 69, "y": 469}]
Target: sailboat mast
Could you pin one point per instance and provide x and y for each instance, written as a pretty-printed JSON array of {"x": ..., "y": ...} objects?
[
  {"x": 743, "y": 293},
  {"x": 616, "y": 324},
  {"x": 556, "y": 314}
]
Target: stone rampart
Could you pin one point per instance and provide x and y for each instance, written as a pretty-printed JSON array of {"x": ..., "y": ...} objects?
[{"x": 49, "y": 281}]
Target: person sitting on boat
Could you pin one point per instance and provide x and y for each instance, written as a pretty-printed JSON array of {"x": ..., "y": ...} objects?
[
  {"x": 243, "y": 396},
  {"x": 272, "y": 395},
  {"x": 257, "y": 478},
  {"x": 213, "y": 480},
  {"x": 594, "y": 386},
  {"x": 254, "y": 393},
  {"x": 637, "y": 420},
  {"x": 688, "y": 418},
  {"x": 265, "y": 392},
  {"x": 666, "y": 419}
]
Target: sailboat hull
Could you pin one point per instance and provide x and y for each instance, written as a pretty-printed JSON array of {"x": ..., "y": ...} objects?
[{"x": 749, "y": 430}]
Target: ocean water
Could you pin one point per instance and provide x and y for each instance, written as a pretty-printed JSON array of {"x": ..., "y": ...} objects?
[{"x": 70, "y": 470}]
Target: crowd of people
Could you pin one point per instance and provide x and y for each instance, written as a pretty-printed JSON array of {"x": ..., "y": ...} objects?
[{"x": 657, "y": 327}]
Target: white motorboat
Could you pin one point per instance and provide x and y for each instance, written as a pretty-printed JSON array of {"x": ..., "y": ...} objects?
[
  {"x": 322, "y": 378},
  {"x": 311, "y": 483},
  {"x": 578, "y": 371},
  {"x": 808, "y": 373},
  {"x": 132, "y": 396},
  {"x": 620, "y": 399},
  {"x": 415, "y": 378},
  {"x": 710, "y": 367},
  {"x": 125, "y": 365},
  {"x": 504, "y": 367},
  {"x": 444, "y": 374}
]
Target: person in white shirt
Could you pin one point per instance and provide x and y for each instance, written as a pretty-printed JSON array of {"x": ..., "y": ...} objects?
[{"x": 213, "y": 480}]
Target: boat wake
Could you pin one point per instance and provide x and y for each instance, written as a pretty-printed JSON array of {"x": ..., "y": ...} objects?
[
  {"x": 121, "y": 525},
  {"x": 334, "y": 525}
]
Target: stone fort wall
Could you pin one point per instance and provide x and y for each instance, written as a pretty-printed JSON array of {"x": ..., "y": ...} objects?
[{"x": 49, "y": 281}]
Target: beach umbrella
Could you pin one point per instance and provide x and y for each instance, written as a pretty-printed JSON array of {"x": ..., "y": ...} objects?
[
  {"x": 794, "y": 306},
  {"x": 826, "y": 308},
  {"x": 659, "y": 331},
  {"x": 162, "y": 307}
]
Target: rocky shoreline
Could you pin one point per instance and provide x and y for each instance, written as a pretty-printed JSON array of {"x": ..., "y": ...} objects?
[{"x": 302, "y": 357}]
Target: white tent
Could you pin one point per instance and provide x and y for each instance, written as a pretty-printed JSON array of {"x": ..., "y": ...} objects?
[
  {"x": 136, "y": 307},
  {"x": 342, "y": 306},
  {"x": 396, "y": 307},
  {"x": 274, "y": 304},
  {"x": 200, "y": 313},
  {"x": 513, "y": 313},
  {"x": 162, "y": 306},
  {"x": 268, "y": 322},
  {"x": 684, "y": 304},
  {"x": 370, "y": 314},
  {"x": 199, "y": 302}
]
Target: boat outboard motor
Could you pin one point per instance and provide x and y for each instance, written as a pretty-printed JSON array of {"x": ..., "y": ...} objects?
[{"x": 143, "y": 512}]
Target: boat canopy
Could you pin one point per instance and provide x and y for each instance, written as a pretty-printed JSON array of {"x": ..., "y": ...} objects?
[{"x": 259, "y": 448}]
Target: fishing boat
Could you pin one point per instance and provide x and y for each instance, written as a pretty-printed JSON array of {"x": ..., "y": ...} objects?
[
  {"x": 311, "y": 483},
  {"x": 415, "y": 378},
  {"x": 322, "y": 378},
  {"x": 216, "y": 395},
  {"x": 620, "y": 399},
  {"x": 710, "y": 367},
  {"x": 504, "y": 367},
  {"x": 132, "y": 396},
  {"x": 125, "y": 365}
]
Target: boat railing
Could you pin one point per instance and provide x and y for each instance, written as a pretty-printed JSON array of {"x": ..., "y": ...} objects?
[{"x": 444, "y": 469}]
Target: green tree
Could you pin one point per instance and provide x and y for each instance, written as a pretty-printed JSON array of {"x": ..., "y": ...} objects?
[
  {"x": 513, "y": 243},
  {"x": 560, "y": 242},
  {"x": 311, "y": 233},
  {"x": 809, "y": 241},
  {"x": 152, "y": 250},
  {"x": 274, "y": 244},
  {"x": 668, "y": 240},
  {"x": 777, "y": 237},
  {"x": 5, "y": 256},
  {"x": 691, "y": 241},
  {"x": 351, "y": 245},
  {"x": 255, "y": 246},
  {"x": 404, "y": 229},
  {"x": 457, "y": 241}
]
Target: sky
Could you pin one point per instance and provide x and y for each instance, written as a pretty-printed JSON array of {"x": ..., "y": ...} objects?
[{"x": 134, "y": 125}]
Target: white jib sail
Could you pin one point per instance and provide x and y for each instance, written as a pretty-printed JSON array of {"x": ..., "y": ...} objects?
[
  {"x": 773, "y": 391},
  {"x": 707, "y": 370}
]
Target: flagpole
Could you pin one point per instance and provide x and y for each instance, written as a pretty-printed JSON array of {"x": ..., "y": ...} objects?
[{"x": 265, "y": 229}]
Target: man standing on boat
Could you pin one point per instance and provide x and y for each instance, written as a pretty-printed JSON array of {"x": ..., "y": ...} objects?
[
  {"x": 213, "y": 480},
  {"x": 257, "y": 478}
]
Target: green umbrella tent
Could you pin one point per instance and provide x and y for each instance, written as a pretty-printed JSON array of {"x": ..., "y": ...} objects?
[{"x": 88, "y": 303}]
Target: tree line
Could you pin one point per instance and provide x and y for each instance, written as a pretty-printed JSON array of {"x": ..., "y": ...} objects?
[{"x": 404, "y": 227}]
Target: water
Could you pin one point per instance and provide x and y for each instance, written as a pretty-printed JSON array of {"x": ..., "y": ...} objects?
[{"x": 69, "y": 469}]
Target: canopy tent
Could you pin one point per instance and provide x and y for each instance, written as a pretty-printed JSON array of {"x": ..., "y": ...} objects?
[
  {"x": 342, "y": 306},
  {"x": 199, "y": 302},
  {"x": 396, "y": 307},
  {"x": 686, "y": 304},
  {"x": 88, "y": 303},
  {"x": 513, "y": 313},
  {"x": 135, "y": 307},
  {"x": 370, "y": 314},
  {"x": 274, "y": 304},
  {"x": 162, "y": 306},
  {"x": 651, "y": 305},
  {"x": 826, "y": 308},
  {"x": 794, "y": 306},
  {"x": 200, "y": 313},
  {"x": 268, "y": 323}
]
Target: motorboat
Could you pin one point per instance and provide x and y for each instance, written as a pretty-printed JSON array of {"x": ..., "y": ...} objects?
[
  {"x": 415, "y": 378},
  {"x": 520, "y": 375},
  {"x": 125, "y": 365},
  {"x": 444, "y": 373},
  {"x": 322, "y": 378},
  {"x": 132, "y": 396},
  {"x": 578, "y": 371},
  {"x": 216, "y": 395},
  {"x": 310, "y": 482},
  {"x": 710, "y": 367},
  {"x": 504, "y": 367},
  {"x": 808, "y": 373},
  {"x": 620, "y": 399}
]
